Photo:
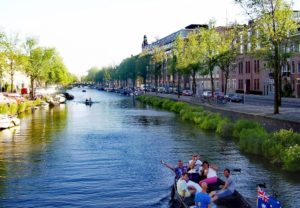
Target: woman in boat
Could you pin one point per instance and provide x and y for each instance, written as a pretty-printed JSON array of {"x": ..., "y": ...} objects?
[{"x": 208, "y": 174}]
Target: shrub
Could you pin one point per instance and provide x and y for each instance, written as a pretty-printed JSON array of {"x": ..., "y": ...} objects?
[
  {"x": 211, "y": 121},
  {"x": 251, "y": 140},
  {"x": 187, "y": 115},
  {"x": 291, "y": 158},
  {"x": 244, "y": 124},
  {"x": 13, "y": 108},
  {"x": 178, "y": 106},
  {"x": 4, "y": 108},
  {"x": 286, "y": 138},
  {"x": 225, "y": 128},
  {"x": 167, "y": 104},
  {"x": 22, "y": 107},
  {"x": 199, "y": 118}
]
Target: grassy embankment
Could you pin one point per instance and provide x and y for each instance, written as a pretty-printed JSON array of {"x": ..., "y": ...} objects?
[
  {"x": 282, "y": 148},
  {"x": 15, "y": 108}
]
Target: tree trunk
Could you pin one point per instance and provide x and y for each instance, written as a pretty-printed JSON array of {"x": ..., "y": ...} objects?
[
  {"x": 178, "y": 84},
  {"x": 156, "y": 80},
  {"x": 280, "y": 86},
  {"x": 11, "y": 77},
  {"x": 32, "y": 88},
  {"x": 211, "y": 79},
  {"x": 276, "y": 80},
  {"x": 226, "y": 79},
  {"x": 194, "y": 85}
]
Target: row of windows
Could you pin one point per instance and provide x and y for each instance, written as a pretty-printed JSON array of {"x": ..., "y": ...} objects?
[
  {"x": 241, "y": 84},
  {"x": 248, "y": 67}
]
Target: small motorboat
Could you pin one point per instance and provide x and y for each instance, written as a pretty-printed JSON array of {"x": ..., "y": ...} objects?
[
  {"x": 8, "y": 121},
  {"x": 88, "y": 102},
  {"x": 83, "y": 90}
]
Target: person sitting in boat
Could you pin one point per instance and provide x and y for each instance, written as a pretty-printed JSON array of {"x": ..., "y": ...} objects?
[
  {"x": 202, "y": 199},
  {"x": 179, "y": 170},
  {"x": 183, "y": 189},
  {"x": 86, "y": 100},
  {"x": 194, "y": 168},
  {"x": 208, "y": 174},
  {"x": 227, "y": 190}
]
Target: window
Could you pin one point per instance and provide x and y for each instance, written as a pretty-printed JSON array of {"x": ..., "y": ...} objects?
[
  {"x": 293, "y": 67},
  {"x": 234, "y": 84},
  {"x": 298, "y": 67},
  {"x": 256, "y": 84},
  {"x": 240, "y": 67},
  {"x": 247, "y": 67},
  {"x": 240, "y": 84}
]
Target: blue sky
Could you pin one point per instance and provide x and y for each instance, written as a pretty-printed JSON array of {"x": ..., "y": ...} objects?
[{"x": 103, "y": 32}]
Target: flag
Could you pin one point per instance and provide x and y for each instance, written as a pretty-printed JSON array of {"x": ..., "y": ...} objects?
[{"x": 266, "y": 201}]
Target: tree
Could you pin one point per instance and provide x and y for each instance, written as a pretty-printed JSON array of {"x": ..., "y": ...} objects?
[
  {"x": 92, "y": 74},
  {"x": 180, "y": 59},
  {"x": 142, "y": 65},
  {"x": 274, "y": 22},
  {"x": 194, "y": 56},
  {"x": 14, "y": 59},
  {"x": 38, "y": 62},
  {"x": 157, "y": 60},
  {"x": 210, "y": 44},
  {"x": 228, "y": 52}
]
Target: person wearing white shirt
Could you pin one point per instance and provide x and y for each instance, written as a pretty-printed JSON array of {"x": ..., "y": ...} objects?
[{"x": 208, "y": 173}]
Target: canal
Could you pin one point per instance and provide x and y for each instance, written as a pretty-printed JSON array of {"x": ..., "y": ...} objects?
[{"x": 108, "y": 155}]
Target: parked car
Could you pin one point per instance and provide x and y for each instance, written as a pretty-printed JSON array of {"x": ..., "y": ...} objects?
[
  {"x": 206, "y": 94},
  {"x": 187, "y": 92},
  {"x": 218, "y": 94},
  {"x": 233, "y": 97}
]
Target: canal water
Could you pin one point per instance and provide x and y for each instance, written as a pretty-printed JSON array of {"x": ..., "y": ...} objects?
[{"x": 108, "y": 155}]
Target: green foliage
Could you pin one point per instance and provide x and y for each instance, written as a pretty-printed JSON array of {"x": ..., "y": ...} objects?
[
  {"x": 251, "y": 140},
  {"x": 278, "y": 142},
  {"x": 22, "y": 107},
  {"x": 13, "y": 108},
  {"x": 291, "y": 158},
  {"x": 4, "y": 108},
  {"x": 211, "y": 121},
  {"x": 225, "y": 128},
  {"x": 178, "y": 106},
  {"x": 167, "y": 104},
  {"x": 244, "y": 124}
]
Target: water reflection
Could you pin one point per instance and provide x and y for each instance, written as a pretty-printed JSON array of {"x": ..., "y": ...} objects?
[{"x": 22, "y": 147}]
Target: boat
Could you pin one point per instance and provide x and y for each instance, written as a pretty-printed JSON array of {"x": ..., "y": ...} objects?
[
  {"x": 89, "y": 102},
  {"x": 60, "y": 98},
  {"x": 83, "y": 90},
  {"x": 8, "y": 121},
  {"x": 236, "y": 200},
  {"x": 68, "y": 96}
]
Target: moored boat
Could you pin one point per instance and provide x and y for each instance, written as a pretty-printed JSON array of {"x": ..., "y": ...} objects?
[{"x": 7, "y": 121}]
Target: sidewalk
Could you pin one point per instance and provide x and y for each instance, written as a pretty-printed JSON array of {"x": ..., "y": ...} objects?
[{"x": 287, "y": 118}]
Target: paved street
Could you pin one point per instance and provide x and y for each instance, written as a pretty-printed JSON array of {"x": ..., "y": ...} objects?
[{"x": 254, "y": 105}]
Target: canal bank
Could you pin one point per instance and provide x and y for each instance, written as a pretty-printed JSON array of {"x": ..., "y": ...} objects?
[{"x": 289, "y": 118}]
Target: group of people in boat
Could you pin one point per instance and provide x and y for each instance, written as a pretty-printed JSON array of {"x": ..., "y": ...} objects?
[{"x": 193, "y": 179}]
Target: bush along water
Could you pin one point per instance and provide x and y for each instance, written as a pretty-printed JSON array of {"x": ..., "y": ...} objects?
[
  {"x": 281, "y": 148},
  {"x": 14, "y": 108}
]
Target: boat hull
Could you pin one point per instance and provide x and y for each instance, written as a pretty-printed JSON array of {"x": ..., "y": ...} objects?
[{"x": 234, "y": 201}]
